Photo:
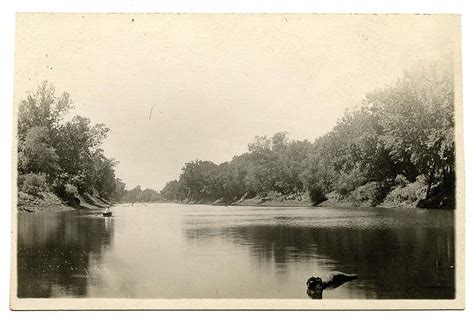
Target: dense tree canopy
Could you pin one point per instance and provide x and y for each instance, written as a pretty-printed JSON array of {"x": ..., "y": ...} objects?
[
  {"x": 66, "y": 154},
  {"x": 395, "y": 149}
]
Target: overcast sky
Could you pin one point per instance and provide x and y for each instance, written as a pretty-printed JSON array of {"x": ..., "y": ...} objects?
[{"x": 216, "y": 81}]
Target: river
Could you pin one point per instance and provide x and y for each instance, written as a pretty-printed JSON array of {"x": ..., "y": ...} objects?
[{"x": 201, "y": 251}]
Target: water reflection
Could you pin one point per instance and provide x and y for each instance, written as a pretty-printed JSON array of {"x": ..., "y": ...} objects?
[
  {"x": 55, "y": 252},
  {"x": 179, "y": 251},
  {"x": 409, "y": 260}
]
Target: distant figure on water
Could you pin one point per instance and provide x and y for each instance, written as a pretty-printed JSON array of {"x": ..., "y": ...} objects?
[
  {"x": 107, "y": 212},
  {"x": 316, "y": 285}
]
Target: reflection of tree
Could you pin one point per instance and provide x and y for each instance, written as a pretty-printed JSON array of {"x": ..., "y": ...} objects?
[
  {"x": 409, "y": 262},
  {"x": 54, "y": 252}
]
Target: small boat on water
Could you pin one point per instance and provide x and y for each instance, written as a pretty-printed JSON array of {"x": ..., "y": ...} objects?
[{"x": 107, "y": 212}]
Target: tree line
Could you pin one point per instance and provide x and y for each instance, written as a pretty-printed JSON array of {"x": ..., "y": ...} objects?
[
  {"x": 136, "y": 194},
  {"x": 396, "y": 148},
  {"x": 60, "y": 156}
]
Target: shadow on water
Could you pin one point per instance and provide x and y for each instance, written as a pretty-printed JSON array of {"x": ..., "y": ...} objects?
[
  {"x": 236, "y": 253},
  {"x": 403, "y": 261},
  {"x": 55, "y": 252}
]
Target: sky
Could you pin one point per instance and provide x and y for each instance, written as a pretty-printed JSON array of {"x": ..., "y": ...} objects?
[{"x": 214, "y": 82}]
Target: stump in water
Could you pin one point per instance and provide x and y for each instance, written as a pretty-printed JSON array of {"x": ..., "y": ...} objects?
[{"x": 316, "y": 285}]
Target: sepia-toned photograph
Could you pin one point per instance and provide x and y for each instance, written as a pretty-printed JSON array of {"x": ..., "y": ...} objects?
[{"x": 237, "y": 161}]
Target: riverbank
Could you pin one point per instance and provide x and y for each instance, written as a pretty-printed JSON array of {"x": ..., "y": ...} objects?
[
  {"x": 437, "y": 201},
  {"x": 292, "y": 200},
  {"x": 49, "y": 202}
]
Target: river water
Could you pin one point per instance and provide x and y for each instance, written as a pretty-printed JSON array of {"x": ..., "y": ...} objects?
[{"x": 200, "y": 251}]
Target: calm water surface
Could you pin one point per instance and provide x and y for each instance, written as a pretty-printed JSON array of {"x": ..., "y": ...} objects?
[{"x": 198, "y": 251}]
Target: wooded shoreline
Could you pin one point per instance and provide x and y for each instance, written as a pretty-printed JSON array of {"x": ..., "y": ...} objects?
[
  {"x": 284, "y": 203},
  {"x": 395, "y": 149},
  {"x": 294, "y": 200}
]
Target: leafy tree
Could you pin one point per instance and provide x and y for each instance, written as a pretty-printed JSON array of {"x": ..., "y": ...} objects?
[
  {"x": 36, "y": 154},
  {"x": 196, "y": 178},
  {"x": 42, "y": 108},
  {"x": 417, "y": 114},
  {"x": 403, "y": 132},
  {"x": 119, "y": 191},
  {"x": 174, "y": 190},
  {"x": 66, "y": 153}
]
